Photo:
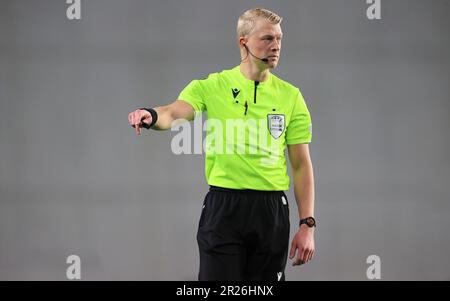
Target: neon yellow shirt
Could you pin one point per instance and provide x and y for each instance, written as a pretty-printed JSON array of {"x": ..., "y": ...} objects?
[{"x": 248, "y": 127}]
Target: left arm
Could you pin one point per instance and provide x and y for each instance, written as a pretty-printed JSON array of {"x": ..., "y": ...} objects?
[{"x": 303, "y": 178}]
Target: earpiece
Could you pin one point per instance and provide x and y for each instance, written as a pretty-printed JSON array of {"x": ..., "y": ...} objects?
[{"x": 265, "y": 60}]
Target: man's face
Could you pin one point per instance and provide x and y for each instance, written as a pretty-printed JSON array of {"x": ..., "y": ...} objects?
[{"x": 265, "y": 42}]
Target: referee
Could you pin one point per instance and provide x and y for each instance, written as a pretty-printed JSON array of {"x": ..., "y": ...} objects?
[{"x": 243, "y": 232}]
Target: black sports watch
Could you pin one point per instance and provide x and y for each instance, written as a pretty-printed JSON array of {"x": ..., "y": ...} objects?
[{"x": 309, "y": 221}]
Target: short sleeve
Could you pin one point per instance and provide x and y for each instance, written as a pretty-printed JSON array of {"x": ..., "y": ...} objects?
[
  {"x": 299, "y": 130},
  {"x": 193, "y": 94}
]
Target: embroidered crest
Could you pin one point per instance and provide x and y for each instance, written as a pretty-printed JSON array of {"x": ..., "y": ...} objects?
[{"x": 276, "y": 124}]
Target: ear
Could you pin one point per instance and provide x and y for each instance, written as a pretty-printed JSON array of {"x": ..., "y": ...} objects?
[{"x": 242, "y": 41}]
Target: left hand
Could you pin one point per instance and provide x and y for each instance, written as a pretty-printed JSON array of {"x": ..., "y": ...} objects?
[{"x": 304, "y": 242}]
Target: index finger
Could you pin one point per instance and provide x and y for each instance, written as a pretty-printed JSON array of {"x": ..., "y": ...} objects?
[
  {"x": 298, "y": 261},
  {"x": 138, "y": 128}
]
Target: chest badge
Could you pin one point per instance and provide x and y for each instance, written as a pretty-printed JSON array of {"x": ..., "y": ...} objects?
[{"x": 276, "y": 124}]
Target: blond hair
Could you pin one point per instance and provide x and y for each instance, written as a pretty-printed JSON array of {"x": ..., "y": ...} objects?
[{"x": 247, "y": 20}]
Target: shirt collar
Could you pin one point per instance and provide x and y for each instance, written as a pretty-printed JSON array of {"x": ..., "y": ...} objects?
[{"x": 242, "y": 78}]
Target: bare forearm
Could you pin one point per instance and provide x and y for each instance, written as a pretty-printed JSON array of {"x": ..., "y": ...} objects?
[
  {"x": 304, "y": 189},
  {"x": 303, "y": 178},
  {"x": 173, "y": 114},
  {"x": 165, "y": 118}
]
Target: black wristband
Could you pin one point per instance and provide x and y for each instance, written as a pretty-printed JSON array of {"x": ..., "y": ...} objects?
[{"x": 154, "y": 117}]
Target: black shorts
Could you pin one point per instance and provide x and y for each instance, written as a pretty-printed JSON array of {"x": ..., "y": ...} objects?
[{"x": 243, "y": 235}]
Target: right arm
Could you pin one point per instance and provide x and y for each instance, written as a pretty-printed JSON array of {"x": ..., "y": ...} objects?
[{"x": 166, "y": 116}]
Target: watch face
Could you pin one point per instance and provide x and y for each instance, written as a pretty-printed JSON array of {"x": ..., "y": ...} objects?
[{"x": 310, "y": 222}]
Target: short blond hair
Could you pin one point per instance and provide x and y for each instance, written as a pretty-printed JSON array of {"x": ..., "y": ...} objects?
[{"x": 246, "y": 22}]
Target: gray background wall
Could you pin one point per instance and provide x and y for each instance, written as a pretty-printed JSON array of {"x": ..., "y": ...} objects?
[{"x": 75, "y": 179}]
